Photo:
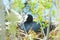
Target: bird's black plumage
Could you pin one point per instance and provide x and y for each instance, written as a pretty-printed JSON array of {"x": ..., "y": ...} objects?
[{"x": 29, "y": 23}]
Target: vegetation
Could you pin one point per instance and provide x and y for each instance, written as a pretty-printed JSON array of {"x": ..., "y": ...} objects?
[{"x": 17, "y": 9}]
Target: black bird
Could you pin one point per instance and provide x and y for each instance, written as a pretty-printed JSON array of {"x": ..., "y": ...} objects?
[{"x": 29, "y": 23}]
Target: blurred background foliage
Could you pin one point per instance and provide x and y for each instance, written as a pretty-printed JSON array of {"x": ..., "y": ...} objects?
[{"x": 42, "y": 10}]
